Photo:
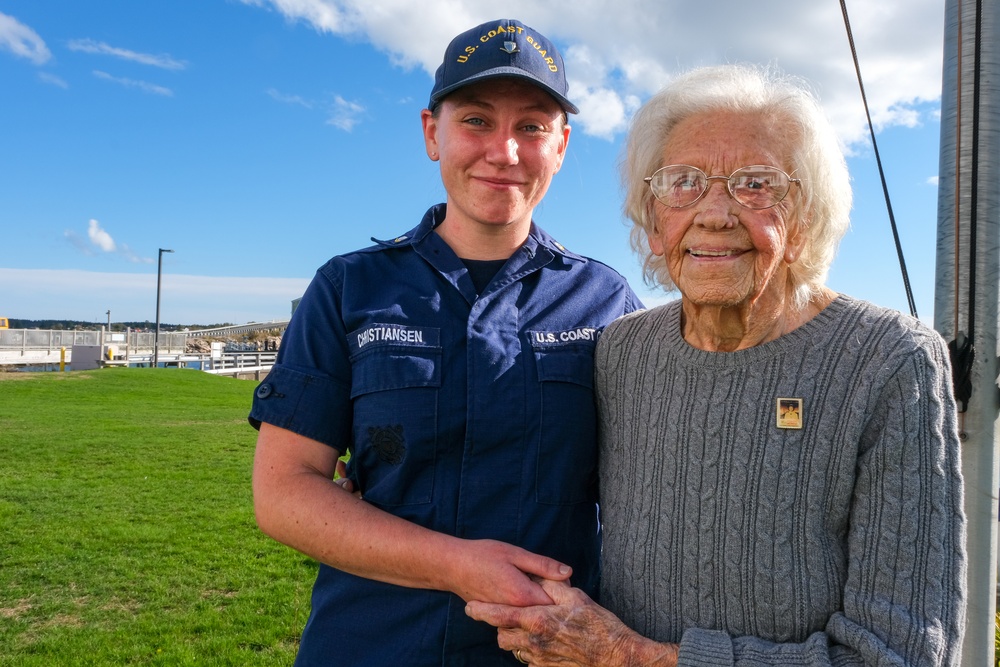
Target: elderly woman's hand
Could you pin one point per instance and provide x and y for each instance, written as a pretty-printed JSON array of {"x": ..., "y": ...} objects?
[
  {"x": 343, "y": 481},
  {"x": 573, "y": 631}
]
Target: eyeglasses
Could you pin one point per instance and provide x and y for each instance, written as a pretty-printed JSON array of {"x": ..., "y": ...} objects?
[{"x": 757, "y": 186}]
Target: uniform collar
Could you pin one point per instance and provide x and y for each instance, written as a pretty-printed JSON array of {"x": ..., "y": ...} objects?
[{"x": 537, "y": 251}]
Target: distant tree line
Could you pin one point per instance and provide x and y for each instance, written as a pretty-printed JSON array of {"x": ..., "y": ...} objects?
[{"x": 76, "y": 325}]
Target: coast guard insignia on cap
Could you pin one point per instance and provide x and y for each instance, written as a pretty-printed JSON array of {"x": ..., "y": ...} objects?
[{"x": 509, "y": 47}]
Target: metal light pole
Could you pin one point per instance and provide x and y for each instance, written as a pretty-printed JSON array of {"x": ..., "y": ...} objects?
[{"x": 156, "y": 337}]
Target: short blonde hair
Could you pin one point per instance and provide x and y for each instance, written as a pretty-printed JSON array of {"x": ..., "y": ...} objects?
[{"x": 823, "y": 204}]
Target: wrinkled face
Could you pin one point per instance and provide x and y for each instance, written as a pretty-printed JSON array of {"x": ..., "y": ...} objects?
[
  {"x": 719, "y": 253},
  {"x": 499, "y": 143}
]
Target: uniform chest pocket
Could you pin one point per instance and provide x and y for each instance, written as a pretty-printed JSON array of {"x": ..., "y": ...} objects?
[
  {"x": 567, "y": 447},
  {"x": 395, "y": 390}
]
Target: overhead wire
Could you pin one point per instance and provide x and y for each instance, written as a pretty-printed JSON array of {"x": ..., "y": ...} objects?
[{"x": 885, "y": 189}]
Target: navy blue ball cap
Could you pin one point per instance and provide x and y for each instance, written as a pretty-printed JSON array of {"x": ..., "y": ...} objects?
[{"x": 502, "y": 48}]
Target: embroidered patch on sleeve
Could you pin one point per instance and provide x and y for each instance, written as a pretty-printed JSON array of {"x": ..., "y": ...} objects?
[{"x": 388, "y": 442}]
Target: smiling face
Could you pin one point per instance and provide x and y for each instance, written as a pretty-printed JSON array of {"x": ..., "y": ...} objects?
[
  {"x": 499, "y": 143},
  {"x": 719, "y": 253}
]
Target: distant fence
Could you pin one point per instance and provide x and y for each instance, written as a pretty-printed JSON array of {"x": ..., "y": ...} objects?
[
  {"x": 47, "y": 339},
  {"x": 29, "y": 347},
  {"x": 52, "y": 339}
]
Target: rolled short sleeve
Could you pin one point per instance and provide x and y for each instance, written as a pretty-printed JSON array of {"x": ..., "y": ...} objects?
[
  {"x": 306, "y": 403},
  {"x": 308, "y": 390}
]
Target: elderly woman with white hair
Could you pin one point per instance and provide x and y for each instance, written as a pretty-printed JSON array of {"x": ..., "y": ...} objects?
[{"x": 779, "y": 463}]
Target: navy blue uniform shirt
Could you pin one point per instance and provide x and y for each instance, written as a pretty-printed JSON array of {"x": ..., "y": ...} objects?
[{"x": 468, "y": 414}]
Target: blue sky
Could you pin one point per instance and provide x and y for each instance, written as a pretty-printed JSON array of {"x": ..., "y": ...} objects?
[{"x": 258, "y": 138}]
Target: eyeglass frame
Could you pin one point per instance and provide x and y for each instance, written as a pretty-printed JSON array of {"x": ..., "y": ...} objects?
[{"x": 649, "y": 181}]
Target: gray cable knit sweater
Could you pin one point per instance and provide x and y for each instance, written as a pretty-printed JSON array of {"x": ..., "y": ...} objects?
[{"x": 841, "y": 542}]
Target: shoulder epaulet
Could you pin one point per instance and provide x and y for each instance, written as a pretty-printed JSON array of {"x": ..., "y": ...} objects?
[
  {"x": 555, "y": 245},
  {"x": 393, "y": 243}
]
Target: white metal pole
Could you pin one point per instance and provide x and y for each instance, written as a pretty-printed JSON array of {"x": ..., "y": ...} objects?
[{"x": 968, "y": 282}]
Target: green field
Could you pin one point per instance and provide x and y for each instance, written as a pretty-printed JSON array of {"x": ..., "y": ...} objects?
[
  {"x": 126, "y": 526},
  {"x": 127, "y": 534}
]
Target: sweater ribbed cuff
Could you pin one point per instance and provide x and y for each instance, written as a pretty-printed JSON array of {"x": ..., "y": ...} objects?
[{"x": 705, "y": 648}]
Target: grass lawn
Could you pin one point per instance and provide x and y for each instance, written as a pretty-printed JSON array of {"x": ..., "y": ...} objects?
[{"x": 126, "y": 526}]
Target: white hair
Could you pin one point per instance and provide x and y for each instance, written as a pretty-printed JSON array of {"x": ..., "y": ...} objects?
[{"x": 824, "y": 202}]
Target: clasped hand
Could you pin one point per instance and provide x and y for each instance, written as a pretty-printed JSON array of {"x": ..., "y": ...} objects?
[{"x": 574, "y": 630}]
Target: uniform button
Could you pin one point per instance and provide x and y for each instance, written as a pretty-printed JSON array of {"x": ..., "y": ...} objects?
[{"x": 264, "y": 390}]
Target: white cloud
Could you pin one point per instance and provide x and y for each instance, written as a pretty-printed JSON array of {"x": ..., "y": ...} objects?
[
  {"x": 162, "y": 61},
  {"x": 99, "y": 237},
  {"x": 344, "y": 114},
  {"x": 621, "y": 51},
  {"x": 323, "y": 16},
  {"x": 133, "y": 258},
  {"x": 74, "y": 240},
  {"x": 101, "y": 241},
  {"x": 144, "y": 86},
  {"x": 603, "y": 111},
  {"x": 289, "y": 99},
  {"x": 52, "y": 79},
  {"x": 22, "y": 41}
]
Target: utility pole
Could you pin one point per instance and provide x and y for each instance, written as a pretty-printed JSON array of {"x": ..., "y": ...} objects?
[{"x": 156, "y": 336}]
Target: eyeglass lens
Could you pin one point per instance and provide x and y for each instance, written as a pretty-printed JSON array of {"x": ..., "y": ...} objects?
[{"x": 754, "y": 187}]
